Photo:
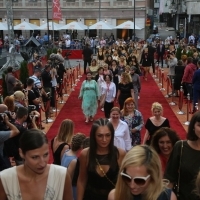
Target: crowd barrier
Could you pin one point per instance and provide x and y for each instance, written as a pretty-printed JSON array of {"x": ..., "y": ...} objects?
[{"x": 169, "y": 88}]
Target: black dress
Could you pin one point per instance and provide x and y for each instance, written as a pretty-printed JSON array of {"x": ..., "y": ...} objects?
[
  {"x": 152, "y": 128},
  {"x": 57, "y": 153},
  {"x": 125, "y": 92},
  {"x": 179, "y": 71},
  {"x": 115, "y": 77},
  {"x": 98, "y": 187}
]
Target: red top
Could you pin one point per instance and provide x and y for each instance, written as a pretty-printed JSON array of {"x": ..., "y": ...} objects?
[
  {"x": 188, "y": 73},
  {"x": 163, "y": 160}
]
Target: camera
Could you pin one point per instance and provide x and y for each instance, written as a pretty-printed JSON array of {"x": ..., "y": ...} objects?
[
  {"x": 8, "y": 113},
  {"x": 31, "y": 108}
]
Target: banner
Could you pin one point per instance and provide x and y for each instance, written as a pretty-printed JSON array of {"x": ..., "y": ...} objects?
[{"x": 56, "y": 10}]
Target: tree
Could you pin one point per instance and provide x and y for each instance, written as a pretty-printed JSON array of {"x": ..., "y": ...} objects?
[
  {"x": 178, "y": 53},
  {"x": 23, "y": 72}
]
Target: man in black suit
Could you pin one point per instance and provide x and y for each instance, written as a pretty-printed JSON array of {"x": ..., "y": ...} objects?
[
  {"x": 151, "y": 51},
  {"x": 87, "y": 55},
  {"x": 161, "y": 52}
]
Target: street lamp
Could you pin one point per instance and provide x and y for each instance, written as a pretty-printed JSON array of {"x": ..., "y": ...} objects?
[
  {"x": 134, "y": 21},
  {"x": 47, "y": 6},
  {"x": 99, "y": 14}
]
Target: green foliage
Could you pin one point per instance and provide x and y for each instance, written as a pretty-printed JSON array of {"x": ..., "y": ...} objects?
[
  {"x": 50, "y": 51},
  {"x": 23, "y": 72},
  {"x": 190, "y": 53},
  {"x": 178, "y": 53}
]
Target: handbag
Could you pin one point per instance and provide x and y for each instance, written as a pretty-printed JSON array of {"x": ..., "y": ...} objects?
[
  {"x": 102, "y": 100},
  {"x": 176, "y": 187}
]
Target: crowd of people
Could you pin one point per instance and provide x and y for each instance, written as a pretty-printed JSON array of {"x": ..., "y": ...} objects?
[{"x": 114, "y": 162}]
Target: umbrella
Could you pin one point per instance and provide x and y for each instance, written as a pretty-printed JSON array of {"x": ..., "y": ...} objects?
[
  {"x": 3, "y": 26},
  {"x": 101, "y": 25},
  {"x": 52, "y": 26},
  {"x": 26, "y": 26},
  {"x": 74, "y": 26},
  {"x": 128, "y": 25}
]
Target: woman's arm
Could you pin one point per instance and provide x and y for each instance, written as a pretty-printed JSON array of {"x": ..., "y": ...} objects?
[
  {"x": 173, "y": 196},
  {"x": 2, "y": 192},
  {"x": 82, "y": 178},
  {"x": 67, "y": 194},
  {"x": 111, "y": 195},
  {"x": 118, "y": 93},
  {"x": 132, "y": 93},
  {"x": 122, "y": 153},
  {"x": 146, "y": 136},
  {"x": 71, "y": 168}
]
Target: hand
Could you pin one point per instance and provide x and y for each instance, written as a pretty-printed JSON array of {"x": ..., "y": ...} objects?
[
  {"x": 6, "y": 119},
  {"x": 134, "y": 130}
]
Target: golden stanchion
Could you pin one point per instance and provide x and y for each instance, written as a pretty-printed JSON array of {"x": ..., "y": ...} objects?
[
  {"x": 188, "y": 107},
  {"x": 180, "y": 102}
]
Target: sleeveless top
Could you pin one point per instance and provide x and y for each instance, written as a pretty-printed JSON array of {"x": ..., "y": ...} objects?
[
  {"x": 57, "y": 153},
  {"x": 98, "y": 187},
  {"x": 54, "y": 188},
  {"x": 100, "y": 57},
  {"x": 66, "y": 159},
  {"x": 165, "y": 195}
]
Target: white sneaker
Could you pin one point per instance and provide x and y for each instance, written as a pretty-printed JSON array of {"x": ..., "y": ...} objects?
[{"x": 138, "y": 97}]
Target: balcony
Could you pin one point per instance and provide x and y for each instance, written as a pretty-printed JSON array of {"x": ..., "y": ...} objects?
[{"x": 122, "y": 3}]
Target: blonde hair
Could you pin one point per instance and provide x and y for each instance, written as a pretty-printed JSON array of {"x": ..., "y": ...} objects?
[
  {"x": 156, "y": 105},
  {"x": 66, "y": 131},
  {"x": 141, "y": 155},
  {"x": 126, "y": 78},
  {"x": 18, "y": 95}
]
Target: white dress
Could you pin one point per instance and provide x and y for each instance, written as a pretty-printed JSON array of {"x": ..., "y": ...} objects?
[{"x": 54, "y": 188}]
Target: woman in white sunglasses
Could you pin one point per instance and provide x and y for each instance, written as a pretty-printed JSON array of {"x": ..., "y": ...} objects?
[{"x": 140, "y": 177}]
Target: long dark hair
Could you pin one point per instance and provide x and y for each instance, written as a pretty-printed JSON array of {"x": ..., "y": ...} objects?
[
  {"x": 164, "y": 131},
  {"x": 32, "y": 139},
  {"x": 113, "y": 152}
]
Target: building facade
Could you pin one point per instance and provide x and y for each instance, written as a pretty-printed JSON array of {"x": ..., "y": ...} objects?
[{"x": 88, "y": 12}]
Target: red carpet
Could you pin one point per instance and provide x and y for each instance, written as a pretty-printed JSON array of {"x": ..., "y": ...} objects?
[{"x": 149, "y": 93}]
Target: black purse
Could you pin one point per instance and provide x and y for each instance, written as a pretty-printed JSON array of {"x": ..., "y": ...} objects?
[{"x": 176, "y": 188}]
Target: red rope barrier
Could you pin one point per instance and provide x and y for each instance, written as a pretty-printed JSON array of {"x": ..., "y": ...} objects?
[
  {"x": 168, "y": 84},
  {"x": 47, "y": 107}
]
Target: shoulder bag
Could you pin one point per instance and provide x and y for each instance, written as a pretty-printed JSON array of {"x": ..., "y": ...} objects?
[{"x": 176, "y": 187}]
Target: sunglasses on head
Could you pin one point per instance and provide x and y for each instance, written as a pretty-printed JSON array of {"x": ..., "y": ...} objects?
[{"x": 140, "y": 181}]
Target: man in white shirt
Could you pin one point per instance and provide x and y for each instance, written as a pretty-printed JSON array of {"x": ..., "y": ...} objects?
[
  {"x": 191, "y": 39},
  {"x": 67, "y": 43}
]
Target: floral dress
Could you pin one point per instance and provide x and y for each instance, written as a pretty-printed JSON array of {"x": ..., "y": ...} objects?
[
  {"x": 89, "y": 93},
  {"x": 134, "y": 121}
]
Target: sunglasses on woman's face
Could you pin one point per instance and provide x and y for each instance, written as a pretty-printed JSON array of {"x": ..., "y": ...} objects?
[{"x": 140, "y": 181}]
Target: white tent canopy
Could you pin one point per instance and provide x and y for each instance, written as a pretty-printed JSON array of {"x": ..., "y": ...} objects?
[
  {"x": 52, "y": 26},
  {"x": 101, "y": 25},
  {"x": 26, "y": 26},
  {"x": 74, "y": 26},
  {"x": 3, "y": 26},
  {"x": 127, "y": 25}
]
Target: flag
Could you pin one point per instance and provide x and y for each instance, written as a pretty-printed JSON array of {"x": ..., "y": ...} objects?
[
  {"x": 161, "y": 7},
  {"x": 56, "y": 10}
]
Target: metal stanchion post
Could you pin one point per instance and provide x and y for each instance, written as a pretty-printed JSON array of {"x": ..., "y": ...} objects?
[
  {"x": 188, "y": 104},
  {"x": 168, "y": 81},
  {"x": 196, "y": 107},
  {"x": 180, "y": 105},
  {"x": 79, "y": 67},
  {"x": 162, "y": 79},
  {"x": 159, "y": 76},
  {"x": 172, "y": 103},
  {"x": 156, "y": 76}
]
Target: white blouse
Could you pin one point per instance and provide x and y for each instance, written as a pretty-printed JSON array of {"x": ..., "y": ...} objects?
[
  {"x": 109, "y": 90},
  {"x": 122, "y": 137}
]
